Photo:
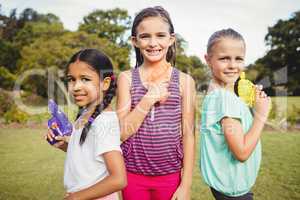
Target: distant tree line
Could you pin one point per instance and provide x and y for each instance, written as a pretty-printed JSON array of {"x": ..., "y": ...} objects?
[{"x": 31, "y": 40}]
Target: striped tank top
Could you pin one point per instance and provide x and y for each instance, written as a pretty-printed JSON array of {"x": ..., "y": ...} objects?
[{"x": 156, "y": 148}]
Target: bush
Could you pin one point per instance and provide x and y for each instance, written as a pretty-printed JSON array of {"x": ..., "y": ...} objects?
[
  {"x": 294, "y": 116},
  {"x": 39, "y": 118},
  {"x": 7, "y": 79},
  {"x": 15, "y": 115},
  {"x": 5, "y": 101},
  {"x": 10, "y": 112},
  {"x": 274, "y": 111}
]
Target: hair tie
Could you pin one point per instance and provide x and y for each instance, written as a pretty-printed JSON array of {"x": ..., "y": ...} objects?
[
  {"x": 91, "y": 119},
  {"x": 113, "y": 77}
]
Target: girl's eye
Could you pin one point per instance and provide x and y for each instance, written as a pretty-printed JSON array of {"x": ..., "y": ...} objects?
[
  {"x": 69, "y": 79},
  {"x": 240, "y": 59},
  {"x": 85, "y": 79},
  {"x": 161, "y": 35},
  {"x": 224, "y": 58},
  {"x": 144, "y": 36}
]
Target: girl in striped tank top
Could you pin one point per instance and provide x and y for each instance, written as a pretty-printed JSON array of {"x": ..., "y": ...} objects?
[{"x": 156, "y": 111}]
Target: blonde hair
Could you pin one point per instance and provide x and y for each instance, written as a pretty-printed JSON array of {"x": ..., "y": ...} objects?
[{"x": 224, "y": 33}]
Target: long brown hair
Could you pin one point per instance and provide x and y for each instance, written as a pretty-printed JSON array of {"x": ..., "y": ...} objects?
[{"x": 156, "y": 11}]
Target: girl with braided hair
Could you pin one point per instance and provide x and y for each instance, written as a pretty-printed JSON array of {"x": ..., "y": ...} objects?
[{"x": 94, "y": 167}]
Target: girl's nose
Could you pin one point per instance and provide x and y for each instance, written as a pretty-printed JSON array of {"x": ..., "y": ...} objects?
[
  {"x": 152, "y": 42},
  {"x": 232, "y": 64},
  {"x": 77, "y": 86}
]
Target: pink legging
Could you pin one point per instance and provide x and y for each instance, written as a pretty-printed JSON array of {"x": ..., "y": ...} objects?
[{"x": 142, "y": 187}]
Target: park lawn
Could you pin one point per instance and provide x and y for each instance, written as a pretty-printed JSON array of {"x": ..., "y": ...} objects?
[
  {"x": 31, "y": 169},
  {"x": 291, "y": 102}
]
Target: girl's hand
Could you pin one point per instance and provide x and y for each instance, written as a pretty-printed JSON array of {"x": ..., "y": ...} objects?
[
  {"x": 49, "y": 135},
  {"x": 158, "y": 92},
  {"x": 62, "y": 141},
  {"x": 262, "y": 105},
  {"x": 182, "y": 193}
]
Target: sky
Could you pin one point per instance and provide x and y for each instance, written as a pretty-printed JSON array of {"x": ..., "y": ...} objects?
[{"x": 194, "y": 20}]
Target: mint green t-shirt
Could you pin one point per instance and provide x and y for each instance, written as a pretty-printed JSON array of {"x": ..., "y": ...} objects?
[{"x": 219, "y": 168}]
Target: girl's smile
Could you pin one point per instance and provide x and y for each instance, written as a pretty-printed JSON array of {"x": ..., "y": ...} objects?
[{"x": 153, "y": 52}]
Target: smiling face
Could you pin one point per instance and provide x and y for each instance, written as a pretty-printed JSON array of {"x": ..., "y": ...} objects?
[
  {"x": 84, "y": 84},
  {"x": 153, "y": 39},
  {"x": 226, "y": 60}
]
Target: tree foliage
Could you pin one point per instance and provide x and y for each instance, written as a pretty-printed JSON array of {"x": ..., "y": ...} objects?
[
  {"x": 56, "y": 51},
  {"x": 18, "y": 31},
  {"x": 110, "y": 24},
  {"x": 190, "y": 64},
  {"x": 32, "y": 40},
  {"x": 282, "y": 62}
]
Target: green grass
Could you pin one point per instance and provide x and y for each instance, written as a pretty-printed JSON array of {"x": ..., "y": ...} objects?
[
  {"x": 287, "y": 102},
  {"x": 279, "y": 177},
  {"x": 31, "y": 169}
]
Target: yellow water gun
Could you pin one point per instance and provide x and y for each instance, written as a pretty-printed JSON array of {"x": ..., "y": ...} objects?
[{"x": 245, "y": 89}]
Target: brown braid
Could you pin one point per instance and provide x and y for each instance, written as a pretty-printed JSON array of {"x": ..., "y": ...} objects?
[
  {"x": 103, "y": 66},
  {"x": 110, "y": 93}
]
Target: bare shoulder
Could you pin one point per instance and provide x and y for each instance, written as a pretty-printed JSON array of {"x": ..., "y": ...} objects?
[
  {"x": 184, "y": 77},
  {"x": 126, "y": 73},
  {"x": 186, "y": 82},
  {"x": 124, "y": 78}
]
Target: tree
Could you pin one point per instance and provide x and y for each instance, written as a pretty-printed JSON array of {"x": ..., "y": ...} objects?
[
  {"x": 8, "y": 25},
  {"x": 33, "y": 30},
  {"x": 19, "y": 31},
  {"x": 190, "y": 64},
  {"x": 9, "y": 55},
  {"x": 110, "y": 24},
  {"x": 54, "y": 52},
  {"x": 284, "y": 41},
  {"x": 30, "y": 15},
  {"x": 12, "y": 24}
]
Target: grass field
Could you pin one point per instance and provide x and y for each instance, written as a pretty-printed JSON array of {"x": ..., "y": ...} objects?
[
  {"x": 287, "y": 102},
  {"x": 31, "y": 169}
]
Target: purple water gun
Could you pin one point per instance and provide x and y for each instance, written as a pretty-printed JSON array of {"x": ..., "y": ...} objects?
[{"x": 58, "y": 123}]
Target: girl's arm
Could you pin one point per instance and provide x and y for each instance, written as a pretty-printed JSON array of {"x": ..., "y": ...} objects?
[
  {"x": 188, "y": 130},
  {"x": 240, "y": 144},
  {"x": 130, "y": 121},
  {"x": 115, "y": 181}
]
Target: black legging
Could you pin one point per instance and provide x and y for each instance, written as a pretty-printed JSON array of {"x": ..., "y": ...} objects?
[{"x": 219, "y": 196}]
